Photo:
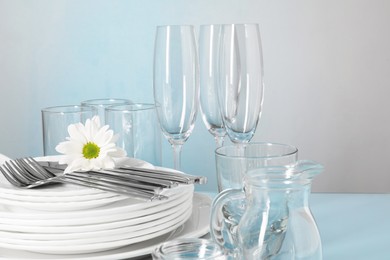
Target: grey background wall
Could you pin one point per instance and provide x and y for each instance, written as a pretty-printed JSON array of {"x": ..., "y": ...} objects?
[{"x": 327, "y": 67}]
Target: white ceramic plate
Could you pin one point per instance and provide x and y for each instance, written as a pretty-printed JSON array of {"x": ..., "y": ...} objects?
[
  {"x": 99, "y": 246},
  {"x": 197, "y": 225},
  {"x": 117, "y": 211},
  {"x": 80, "y": 228},
  {"x": 60, "y": 206},
  {"x": 101, "y": 243},
  {"x": 56, "y": 199},
  {"x": 149, "y": 222}
]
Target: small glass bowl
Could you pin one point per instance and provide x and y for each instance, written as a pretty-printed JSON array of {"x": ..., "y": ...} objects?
[{"x": 188, "y": 248}]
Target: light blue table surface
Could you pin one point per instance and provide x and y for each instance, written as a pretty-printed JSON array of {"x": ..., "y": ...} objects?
[{"x": 352, "y": 226}]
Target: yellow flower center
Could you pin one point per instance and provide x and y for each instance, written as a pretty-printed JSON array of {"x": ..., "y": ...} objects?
[{"x": 91, "y": 150}]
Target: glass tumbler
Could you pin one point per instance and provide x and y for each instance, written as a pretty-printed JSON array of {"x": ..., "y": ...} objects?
[
  {"x": 138, "y": 130},
  {"x": 55, "y": 122},
  {"x": 188, "y": 249},
  {"x": 232, "y": 163},
  {"x": 102, "y": 103}
]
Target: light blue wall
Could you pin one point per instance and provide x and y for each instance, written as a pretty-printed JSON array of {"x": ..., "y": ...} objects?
[
  {"x": 63, "y": 52},
  {"x": 326, "y": 71}
]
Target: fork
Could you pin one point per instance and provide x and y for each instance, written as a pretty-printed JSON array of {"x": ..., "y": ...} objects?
[{"x": 28, "y": 173}]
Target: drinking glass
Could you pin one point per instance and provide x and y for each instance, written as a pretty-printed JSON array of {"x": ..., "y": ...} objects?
[
  {"x": 189, "y": 249},
  {"x": 240, "y": 88},
  {"x": 208, "y": 74},
  {"x": 176, "y": 84},
  {"x": 55, "y": 122},
  {"x": 232, "y": 164},
  {"x": 138, "y": 130},
  {"x": 102, "y": 103}
]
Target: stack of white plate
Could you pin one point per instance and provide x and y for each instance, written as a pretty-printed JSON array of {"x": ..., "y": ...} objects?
[{"x": 69, "y": 220}]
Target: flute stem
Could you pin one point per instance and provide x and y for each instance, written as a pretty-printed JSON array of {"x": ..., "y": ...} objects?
[{"x": 177, "y": 156}]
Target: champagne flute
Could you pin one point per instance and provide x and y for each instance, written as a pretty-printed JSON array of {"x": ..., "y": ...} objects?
[
  {"x": 240, "y": 88},
  {"x": 208, "y": 74},
  {"x": 176, "y": 84}
]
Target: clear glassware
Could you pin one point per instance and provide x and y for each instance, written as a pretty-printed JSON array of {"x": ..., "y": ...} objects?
[
  {"x": 240, "y": 88},
  {"x": 188, "y": 249},
  {"x": 232, "y": 164},
  {"x": 102, "y": 103},
  {"x": 176, "y": 84},
  {"x": 277, "y": 222},
  {"x": 55, "y": 122},
  {"x": 208, "y": 74},
  {"x": 138, "y": 130}
]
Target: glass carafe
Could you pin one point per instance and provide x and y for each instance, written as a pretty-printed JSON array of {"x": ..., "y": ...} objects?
[{"x": 277, "y": 223}]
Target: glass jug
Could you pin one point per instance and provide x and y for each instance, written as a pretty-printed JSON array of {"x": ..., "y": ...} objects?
[{"x": 277, "y": 223}]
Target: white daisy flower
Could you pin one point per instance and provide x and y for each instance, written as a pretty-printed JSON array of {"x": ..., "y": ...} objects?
[{"x": 89, "y": 147}]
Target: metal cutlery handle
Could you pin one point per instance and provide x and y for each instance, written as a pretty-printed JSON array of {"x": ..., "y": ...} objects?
[
  {"x": 103, "y": 185},
  {"x": 113, "y": 180},
  {"x": 121, "y": 179},
  {"x": 166, "y": 177},
  {"x": 165, "y": 174}
]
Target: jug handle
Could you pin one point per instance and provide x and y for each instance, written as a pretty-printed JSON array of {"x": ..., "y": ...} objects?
[{"x": 225, "y": 236}]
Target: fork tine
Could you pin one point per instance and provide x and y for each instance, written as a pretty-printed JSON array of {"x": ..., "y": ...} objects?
[
  {"x": 33, "y": 168},
  {"x": 10, "y": 177},
  {"x": 17, "y": 172},
  {"x": 28, "y": 171},
  {"x": 39, "y": 168}
]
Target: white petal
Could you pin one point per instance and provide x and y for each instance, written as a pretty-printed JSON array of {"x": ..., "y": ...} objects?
[
  {"x": 68, "y": 159},
  {"x": 107, "y": 147},
  {"x": 115, "y": 138},
  {"x": 76, "y": 134},
  {"x": 69, "y": 147},
  {"x": 74, "y": 165},
  {"x": 118, "y": 153},
  {"x": 98, "y": 164},
  {"x": 96, "y": 120},
  {"x": 86, "y": 165},
  {"x": 101, "y": 137},
  {"x": 108, "y": 163},
  {"x": 88, "y": 129}
]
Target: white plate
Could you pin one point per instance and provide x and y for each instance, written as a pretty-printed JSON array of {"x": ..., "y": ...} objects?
[
  {"x": 56, "y": 199},
  {"x": 196, "y": 226},
  {"x": 148, "y": 224},
  {"x": 100, "y": 246},
  {"x": 102, "y": 243},
  {"x": 121, "y": 210},
  {"x": 60, "y": 206},
  {"x": 80, "y": 228}
]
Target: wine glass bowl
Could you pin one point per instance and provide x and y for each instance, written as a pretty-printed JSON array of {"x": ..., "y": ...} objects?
[
  {"x": 176, "y": 83},
  {"x": 240, "y": 88}
]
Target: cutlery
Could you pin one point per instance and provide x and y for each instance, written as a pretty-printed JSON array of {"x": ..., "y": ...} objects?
[
  {"x": 159, "y": 176},
  {"x": 27, "y": 173}
]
